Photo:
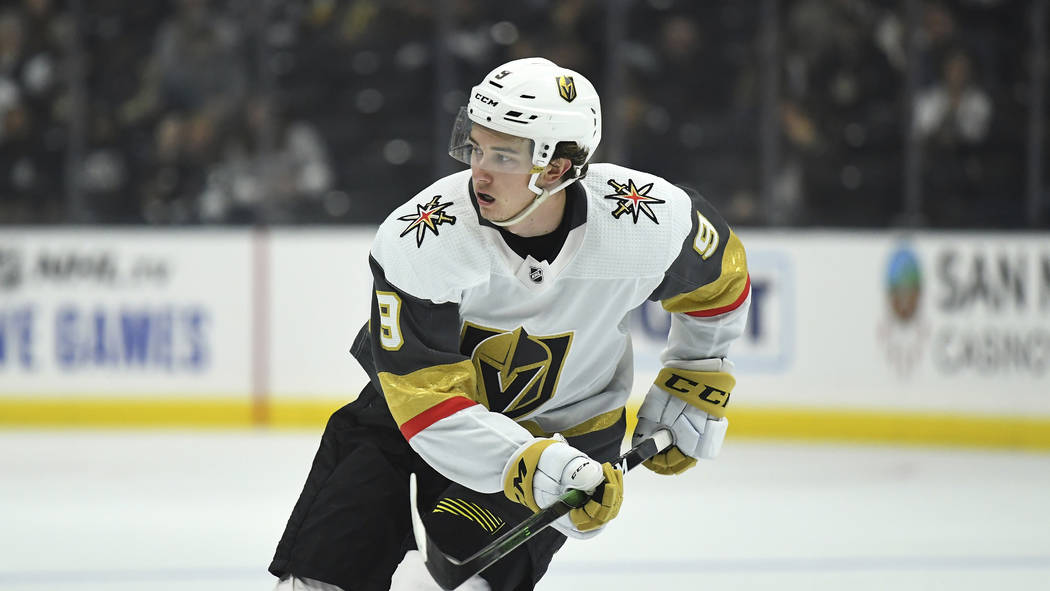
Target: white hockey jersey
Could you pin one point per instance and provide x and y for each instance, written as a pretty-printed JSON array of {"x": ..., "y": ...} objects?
[{"x": 471, "y": 343}]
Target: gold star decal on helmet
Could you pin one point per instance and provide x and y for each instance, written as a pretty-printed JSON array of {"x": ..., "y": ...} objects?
[
  {"x": 428, "y": 216},
  {"x": 633, "y": 200}
]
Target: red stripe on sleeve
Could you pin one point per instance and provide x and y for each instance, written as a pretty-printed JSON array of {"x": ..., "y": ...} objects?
[
  {"x": 724, "y": 309},
  {"x": 434, "y": 414}
]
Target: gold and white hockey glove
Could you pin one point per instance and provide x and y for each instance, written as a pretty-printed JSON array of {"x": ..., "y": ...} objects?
[
  {"x": 688, "y": 398},
  {"x": 542, "y": 470}
]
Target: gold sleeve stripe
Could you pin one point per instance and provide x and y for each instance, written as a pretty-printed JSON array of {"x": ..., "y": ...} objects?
[
  {"x": 602, "y": 421},
  {"x": 727, "y": 308},
  {"x": 723, "y": 294},
  {"x": 419, "y": 399},
  {"x": 534, "y": 428}
]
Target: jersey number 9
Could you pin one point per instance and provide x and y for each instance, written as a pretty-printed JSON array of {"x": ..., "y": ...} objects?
[
  {"x": 389, "y": 320},
  {"x": 706, "y": 241}
]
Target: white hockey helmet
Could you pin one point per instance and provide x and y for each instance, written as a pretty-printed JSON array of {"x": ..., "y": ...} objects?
[{"x": 535, "y": 99}]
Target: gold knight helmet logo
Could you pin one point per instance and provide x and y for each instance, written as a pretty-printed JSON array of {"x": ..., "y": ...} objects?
[
  {"x": 516, "y": 372},
  {"x": 566, "y": 88}
]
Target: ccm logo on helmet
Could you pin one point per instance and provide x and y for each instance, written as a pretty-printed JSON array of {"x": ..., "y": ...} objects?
[{"x": 485, "y": 100}]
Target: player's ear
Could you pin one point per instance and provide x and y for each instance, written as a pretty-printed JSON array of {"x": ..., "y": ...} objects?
[{"x": 555, "y": 170}]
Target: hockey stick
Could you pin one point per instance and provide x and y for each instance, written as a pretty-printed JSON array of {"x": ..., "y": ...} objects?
[{"x": 451, "y": 573}]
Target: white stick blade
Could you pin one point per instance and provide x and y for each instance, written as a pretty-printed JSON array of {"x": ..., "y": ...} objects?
[{"x": 418, "y": 530}]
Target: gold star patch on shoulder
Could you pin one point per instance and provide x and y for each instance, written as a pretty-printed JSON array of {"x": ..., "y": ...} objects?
[
  {"x": 633, "y": 200},
  {"x": 427, "y": 217}
]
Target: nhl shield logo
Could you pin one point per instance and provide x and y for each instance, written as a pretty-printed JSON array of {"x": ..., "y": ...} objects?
[
  {"x": 536, "y": 274},
  {"x": 566, "y": 88}
]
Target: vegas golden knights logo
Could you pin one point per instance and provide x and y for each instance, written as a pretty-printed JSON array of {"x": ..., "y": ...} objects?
[
  {"x": 566, "y": 88},
  {"x": 516, "y": 372}
]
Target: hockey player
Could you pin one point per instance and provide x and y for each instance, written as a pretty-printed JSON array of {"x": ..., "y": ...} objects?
[{"x": 498, "y": 352}]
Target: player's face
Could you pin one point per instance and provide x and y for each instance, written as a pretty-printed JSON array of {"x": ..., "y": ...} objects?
[{"x": 500, "y": 167}]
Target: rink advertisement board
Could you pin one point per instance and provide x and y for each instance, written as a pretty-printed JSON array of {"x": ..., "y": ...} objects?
[
  {"x": 321, "y": 290},
  {"x": 259, "y": 324},
  {"x": 124, "y": 313},
  {"x": 942, "y": 322}
]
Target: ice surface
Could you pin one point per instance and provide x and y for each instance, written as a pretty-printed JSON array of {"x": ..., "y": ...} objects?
[{"x": 86, "y": 511}]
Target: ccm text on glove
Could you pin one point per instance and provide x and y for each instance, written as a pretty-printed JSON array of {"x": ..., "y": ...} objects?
[{"x": 689, "y": 399}]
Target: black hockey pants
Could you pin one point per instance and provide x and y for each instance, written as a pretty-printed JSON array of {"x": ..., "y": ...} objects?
[{"x": 351, "y": 527}]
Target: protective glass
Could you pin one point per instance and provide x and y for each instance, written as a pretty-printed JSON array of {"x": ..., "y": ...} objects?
[{"x": 489, "y": 150}]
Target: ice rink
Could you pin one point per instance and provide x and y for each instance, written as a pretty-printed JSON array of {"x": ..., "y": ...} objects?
[{"x": 181, "y": 510}]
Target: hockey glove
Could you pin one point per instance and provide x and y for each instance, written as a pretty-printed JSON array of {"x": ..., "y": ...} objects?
[
  {"x": 690, "y": 400},
  {"x": 544, "y": 469}
]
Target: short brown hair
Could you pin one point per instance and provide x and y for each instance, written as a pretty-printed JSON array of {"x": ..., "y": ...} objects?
[{"x": 576, "y": 155}]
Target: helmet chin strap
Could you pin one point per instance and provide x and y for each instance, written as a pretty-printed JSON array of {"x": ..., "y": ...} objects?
[
  {"x": 541, "y": 197},
  {"x": 524, "y": 213}
]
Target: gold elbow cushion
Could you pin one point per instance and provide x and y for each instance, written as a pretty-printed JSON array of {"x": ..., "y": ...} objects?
[
  {"x": 517, "y": 484},
  {"x": 670, "y": 462},
  {"x": 604, "y": 505},
  {"x": 707, "y": 390}
]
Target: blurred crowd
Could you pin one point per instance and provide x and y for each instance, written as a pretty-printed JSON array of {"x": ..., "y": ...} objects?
[{"x": 317, "y": 111}]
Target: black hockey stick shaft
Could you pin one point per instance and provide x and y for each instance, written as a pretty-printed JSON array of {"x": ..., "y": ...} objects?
[{"x": 451, "y": 573}]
